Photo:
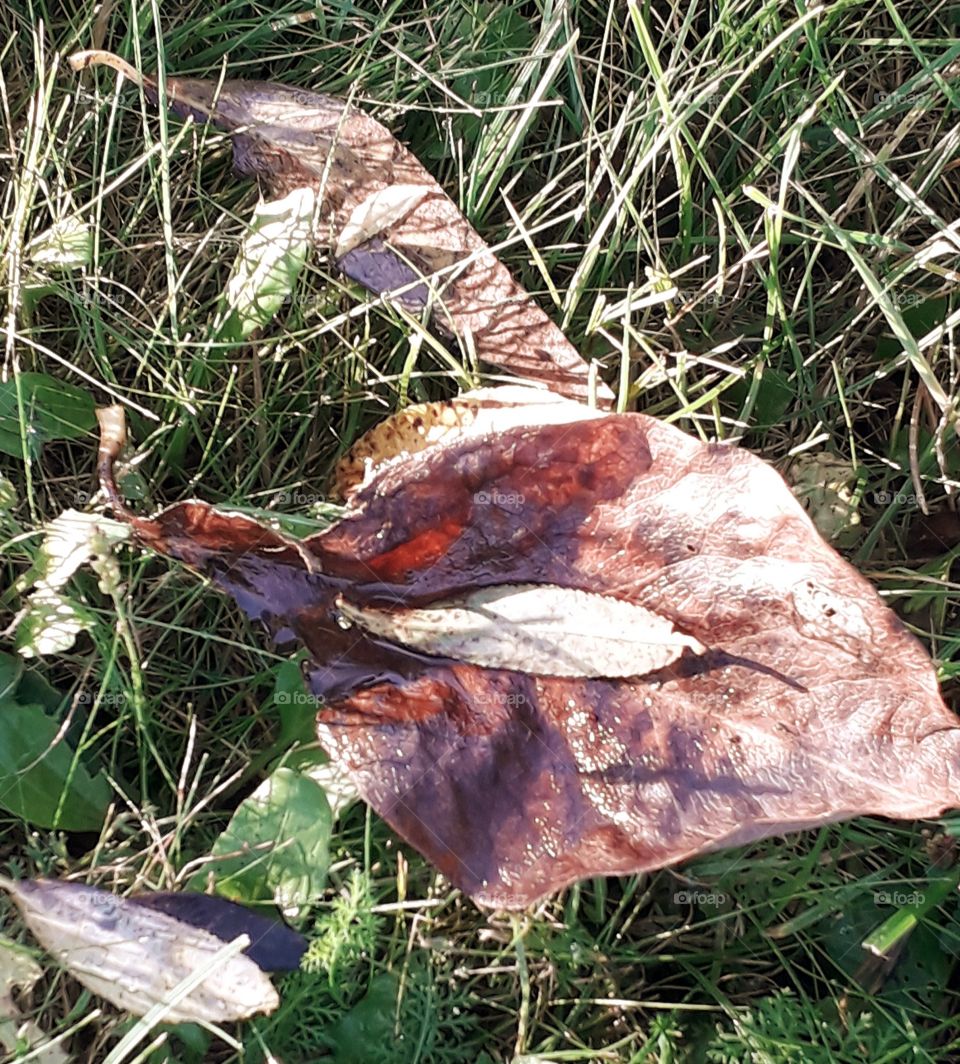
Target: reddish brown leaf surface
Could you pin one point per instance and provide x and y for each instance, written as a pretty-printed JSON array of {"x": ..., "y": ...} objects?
[
  {"x": 291, "y": 138},
  {"x": 808, "y": 702}
]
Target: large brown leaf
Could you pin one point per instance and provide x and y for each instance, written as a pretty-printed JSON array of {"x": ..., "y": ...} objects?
[
  {"x": 389, "y": 223},
  {"x": 784, "y": 693}
]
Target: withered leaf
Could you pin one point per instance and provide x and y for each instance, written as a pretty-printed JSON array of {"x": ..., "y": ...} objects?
[
  {"x": 484, "y": 410},
  {"x": 799, "y": 698},
  {"x": 135, "y": 954},
  {"x": 388, "y": 222}
]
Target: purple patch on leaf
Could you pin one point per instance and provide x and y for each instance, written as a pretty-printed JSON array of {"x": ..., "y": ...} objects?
[
  {"x": 274, "y": 947},
  {"x": 381, "y": 270}
]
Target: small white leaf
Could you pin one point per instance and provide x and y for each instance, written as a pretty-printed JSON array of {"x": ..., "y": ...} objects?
[
  {"x": 135, "y": 956},
  {"x": 271, "y": 257},
  {"x": 52, "y": 620},
  {"x": 50, "y": 624},
  {"x": 19, "y": 971},
  {"x": 538, "y": 629},
  {"x": 378, "y": 212},
  {"x": 70, "y": 540},
  {"x": 66, "y": 245}
]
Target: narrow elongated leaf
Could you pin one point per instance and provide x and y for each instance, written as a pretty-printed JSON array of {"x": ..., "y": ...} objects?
[
  {"x": 135, "y": 956},
  {"x": 385, "y": 217},
  {"x": 798, "y": 699},
  {"x": 48, "y": 409},
  {"x": 551, "y": 631},
  {"x": 381, "y": 269},
  {"x": 270, "y": 260}
]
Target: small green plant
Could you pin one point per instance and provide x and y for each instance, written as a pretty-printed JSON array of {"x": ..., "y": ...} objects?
[{"x": 346, "y": 935}]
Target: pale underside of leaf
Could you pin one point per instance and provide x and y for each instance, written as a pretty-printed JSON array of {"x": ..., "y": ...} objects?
[
  {"x": 52, "y": 619},
  {"x": 70, "y": 539},
  {"x": 66, "y": 245},
  {"x": 537, "y": 629},
  {"x": 378, "y": 212},
  {"x": 134, "y": 957},
  {"x": 19, "y": 971},
  {"x": 270, "y": 260},
  {"x": 50, "y": 624}
]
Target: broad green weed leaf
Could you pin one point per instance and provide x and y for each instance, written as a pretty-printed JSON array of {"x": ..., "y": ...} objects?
[
  {"x": 296, "y": 707},
  {"x": 42, "y": 779},
  {"x": 51, "y": 410},
  {"x": 774, "y": 395},
  {"x": 276, "y": 846},
  {"x": 11, "y": 670},
  {"x": 34, "y": 688},
  {"x": 366, "y": 1034}
]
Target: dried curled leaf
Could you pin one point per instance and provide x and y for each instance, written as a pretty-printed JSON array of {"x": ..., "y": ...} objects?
[
  {"x": 482, "y": 411},
  {"x": 798, "y": 697},
  {"x": 388, "y": 221},
  {"x": 135, "y": 955}
]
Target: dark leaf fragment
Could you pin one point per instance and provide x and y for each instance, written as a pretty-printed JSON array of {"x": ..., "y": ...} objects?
[
  {"x": 274, "y": 947},
  {"x": 379, "y": 268},
  {"x": 797, "y": 699}
]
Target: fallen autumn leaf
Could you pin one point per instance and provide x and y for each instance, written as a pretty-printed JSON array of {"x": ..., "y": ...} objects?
[
  {"x": 387, "y": 221},
  {"x": 135, "y": 955},
  {"x": 777, "y": 692}
]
